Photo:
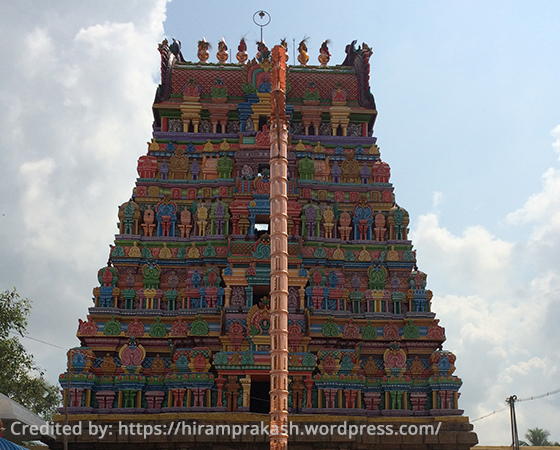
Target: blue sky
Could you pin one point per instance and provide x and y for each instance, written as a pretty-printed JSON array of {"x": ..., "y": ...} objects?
[{"x": 467, "y": 94}]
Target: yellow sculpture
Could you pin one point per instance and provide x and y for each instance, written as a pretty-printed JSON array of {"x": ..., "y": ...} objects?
[
  {"x": 392, "y": 255},
  {"x": 364, "y": 255},
  {"x": 179, "y": 164},
  {"x": 328, "y": 217},
  {"x": 303, "y": 57},
  {"x": 153, "y": 146},
  {"x": 350, "y": 169},
  {"x": 224, "y": 146},
  {"x": 165, "y": 253},
  {"x": 134, "y": 251},
  {"x": 208, "y": 147},
  {"x": 338, "y": 254},
  {"x": 202, "y": 219},
  {"x": 193, "y": 252}
]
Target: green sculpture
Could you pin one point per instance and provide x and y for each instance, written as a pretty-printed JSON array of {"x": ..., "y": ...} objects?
[
  {"x": 158, "y": 329},
  {"x": 377, "y": 277},
  {"x": 112, "y": 327},
  {"x": 199, "y": 327},
  {"x": 330, "y": 328},
  {"x": 225, "y": 167},
  {"x": 306, "y": 168},
  {"x": 369, "y": 332}
]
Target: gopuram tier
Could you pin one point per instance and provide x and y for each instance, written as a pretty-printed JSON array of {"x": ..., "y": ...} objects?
[{"x": 179, "y": 325}]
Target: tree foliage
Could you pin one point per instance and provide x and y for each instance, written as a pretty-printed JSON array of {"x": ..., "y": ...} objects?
[
  {"x": 537, "y": 437},
  {"x": 18, "y": 379}
]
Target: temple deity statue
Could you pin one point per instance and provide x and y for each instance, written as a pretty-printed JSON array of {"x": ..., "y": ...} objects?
[
  {"x": 185, "y": 226},
  {"x": 324, "y": 54},
  {"x": 380, "y": 227},
  {"x": 321, "y": 169},
  {"x": 179, "y": 164},
  {"x": 222, "y": 54},
  {"x": 203, "y": 53},
  {"x": 328, "y": 217},
  {"x": 336, "y": 171},
  {"x": 303, "y": 57},
  {"x": 350, "y": 169},
  {"x": 148, "y": 225},
  {"x": 202, "y": 219},
  {"x": 242, "y": 55},
  {"x": 209, "y": 167},
  {"x": 344, "y": 228}
]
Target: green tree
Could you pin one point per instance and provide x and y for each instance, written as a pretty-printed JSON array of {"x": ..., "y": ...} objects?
[
  {"x": 18, "y": 379},
  {"x": 536, "y": 437}
]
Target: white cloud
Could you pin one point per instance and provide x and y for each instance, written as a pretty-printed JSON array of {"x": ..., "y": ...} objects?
[
  {"x": 75, "y": 116},
  {"x": 500, "y": 310},
  {"x": 437, "y": 199},
  {"x": 474, "y": 262}
]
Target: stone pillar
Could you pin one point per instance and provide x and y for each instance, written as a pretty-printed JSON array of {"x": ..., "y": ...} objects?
[
  {"x": 279, "y": 253},
  {"x": 154, "y": 399},
  {"x": 76, "y": 397},
  {"x": 198, "y": 394},
  {"x": 301, "y": 298},
  {"x": 178, "y": 395},
  {"x": 227, "y": 296},
  {"x": 372, "y": 400},
  {"x": 309, "y": 390},
  {"x": 418, "y": 401},
  {"x": 330, "y": 395},
  {"x": 105, "y": 399},
  {"x": 220, "y": 384},
  {"x": 246, "y": 385}
]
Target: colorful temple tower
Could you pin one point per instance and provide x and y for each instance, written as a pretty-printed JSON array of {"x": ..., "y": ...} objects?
[{"x": 180, "y": 321}]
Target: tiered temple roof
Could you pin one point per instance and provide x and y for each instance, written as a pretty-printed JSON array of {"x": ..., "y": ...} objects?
[{"x": 180, "y": 319}]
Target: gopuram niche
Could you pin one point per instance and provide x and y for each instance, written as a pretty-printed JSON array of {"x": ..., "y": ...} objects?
[{"x": 179, "y": 328}]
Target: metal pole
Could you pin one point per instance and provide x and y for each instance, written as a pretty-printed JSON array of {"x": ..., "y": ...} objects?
[
  {"x": 514, "y": 436},
  {"x": 278, "y": 254},
  {"x": 66, "y": 399}
]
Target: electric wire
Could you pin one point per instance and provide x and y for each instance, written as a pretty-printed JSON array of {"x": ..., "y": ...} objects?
[{"x": 528, "y": 399}]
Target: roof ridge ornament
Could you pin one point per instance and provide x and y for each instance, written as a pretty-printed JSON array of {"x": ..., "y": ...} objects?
[{"x": 262, "y": 20}]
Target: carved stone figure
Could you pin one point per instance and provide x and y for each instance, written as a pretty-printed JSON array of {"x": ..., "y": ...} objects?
[
  {"x": 303, "y": 57},
  {"x": 328, "y": 217},
  {"x": 380, "y": 227},
  {"x": 336, "y": 171},
  {"x": 344, "y": 228},
  {"x": 350, "y": 169},
  {"x": 179, "y": 164},
  {"x": 222, "y": 54},
  {"x": 242, "y": 55},
  {"x": 209, "y": 167},
  {"x": 202, "y": 219},
  {"x": 185, "y": 226},
  {"x": 203, "y": 53},
  {"x": 321, "y": 169},
  {"x": 148, "y": 225},
  {"x": 324, "y": 54}
]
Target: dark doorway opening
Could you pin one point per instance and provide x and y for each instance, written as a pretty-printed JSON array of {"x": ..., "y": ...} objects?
[
  {"x": 259, "y": 292},
  {"x": 263, "y": 120},
  {"x": 260, "y": 397}
]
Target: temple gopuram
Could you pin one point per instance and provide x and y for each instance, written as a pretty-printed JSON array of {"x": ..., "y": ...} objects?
[{"x": 179, "y": 325}]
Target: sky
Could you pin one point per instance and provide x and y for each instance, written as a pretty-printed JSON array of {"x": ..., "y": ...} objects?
[{"x": 467, "y": 94}]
